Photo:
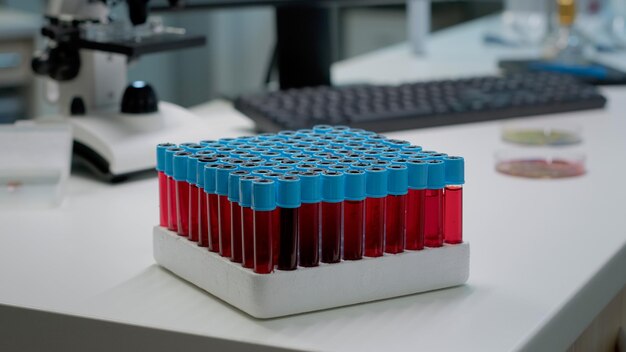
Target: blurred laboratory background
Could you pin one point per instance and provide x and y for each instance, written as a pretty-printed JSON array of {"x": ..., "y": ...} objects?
[{"x": 236, "y": 57}]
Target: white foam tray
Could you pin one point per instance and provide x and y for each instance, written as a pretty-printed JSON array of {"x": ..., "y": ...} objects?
[{"x": 308, "y": 289}]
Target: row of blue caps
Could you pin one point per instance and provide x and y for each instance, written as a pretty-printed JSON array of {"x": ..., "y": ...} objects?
[{"x": 249, "y": 184}]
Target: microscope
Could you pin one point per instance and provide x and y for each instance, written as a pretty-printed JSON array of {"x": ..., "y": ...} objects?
[{"x": 116, "y": 125}]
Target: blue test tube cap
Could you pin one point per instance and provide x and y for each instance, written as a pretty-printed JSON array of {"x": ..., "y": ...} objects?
[
  {"x": 455, "y": 170},
  {"x": 281, "y": 169},
  {"x": 261, "y": 172},
  {"x": 245, "y": 190},
  {"x": 263, "y": 195},
  {"x": 398, "y": 179},
  {"x": 376, "y": 181},
  {"x": 192, "y": 169},
  {"x": 355, "y": 185},
  {"x": 436, "y": 174},
  {"x": 160, "y": 151},
  {"x": 233, "y": 184},
  {"x": 210, "y": 143},
  {"x": 333, "y": 188},
  {"x": 418, "y": 174},
  {"x": 311, "y": 186},
  {"x": 413, "y": 148},
  {"x": 169, "y": 159},
  {"x": 322, "y": 128},
  {"x": 360, "y": 165},
  {"x": 180, "y": 165},
  {"x": 288, "y": 195},
  {"x": 225, "y": 141},
  {"x": 222, "y": 175},
  {"x": 247, "y": 166},
  {"x": 202, "y": 162},
  {"x": 187, "y": 144},
  {"x": 210, "y": 177},
  {"x": 439, "y": 156}
]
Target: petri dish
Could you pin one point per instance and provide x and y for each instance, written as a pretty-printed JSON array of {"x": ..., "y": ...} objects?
[
  {"x": 538, "y": 134},
  {"x": 541, "y": 165}
]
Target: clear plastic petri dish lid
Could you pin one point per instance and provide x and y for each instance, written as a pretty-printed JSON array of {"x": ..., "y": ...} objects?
[
  {"x": 541, "y": 133},
  {"x": 541, "y": 164}
]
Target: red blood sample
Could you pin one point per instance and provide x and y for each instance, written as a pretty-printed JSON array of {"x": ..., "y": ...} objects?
[
  {"x": 203, "y": 239},
  {"x": 172, "y": 220},
  {"x": 288, "y": 235},
  {"x": 331, "y": 231},
  {"x": 395, "y": 223},
  {"x": 453, "y": 214},
  {"x": 309, "y": 222},
  {"x": 276, "y": 228},
  {"x": 182, "y": 207},
  {"x": 194, "y": 213},
  {"x": 433, "y": 218},
  {"x": 236, "y": 235},
  {"x": 247, "y": 229},
  {"x": 354, "y": 212},
  {"x": 374, "y": 226},
  {"x": 263, "y": 242},
  {"x": 214, "y": 224},
  {"x": 415, "y": 219},
  {"x": 163, "y": 201},
  {"x": 224, "y": 217}
]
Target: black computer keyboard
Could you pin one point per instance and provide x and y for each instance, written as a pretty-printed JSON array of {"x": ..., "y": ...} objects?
[{"x": 424, "y": 104}]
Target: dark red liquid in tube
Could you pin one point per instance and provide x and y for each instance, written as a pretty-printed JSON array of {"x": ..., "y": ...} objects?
[
  {"x": 395, "y": 224},
  {"x": 374, "y": 226},
  {"x": 433, "y": 218},
  {"x": 354, "y": 212},
  {"x": 415, "y": 219},
  {"x": 224, "y": 217},
  {"x": 453, "y": 215},
  {"x": 309, "y": 234},
  {"x": 263, "y": 241},
  {"x": 182, "y": 207},
  {"x": 203, "y": 240},
  {"x": 236, "y": 235},
  {"x": 288, "y": 235},
  {"x": 331, "y": 231},
  {"x": 163, "y": 200},
  {"x": 172, "y": 224},
  {"x": 214, "y": 225},
  {"x": 247, "y": 230},
  {"x": 194, "y": 213}
]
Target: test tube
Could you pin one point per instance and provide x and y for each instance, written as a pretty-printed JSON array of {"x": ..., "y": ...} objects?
[
  {"x": 172, "y": 223},
  {"x": 395, "y": 223},
  {"x": 309, "y": 218},
  {"x": 453, "y": 200},
  {"x": 182, "y": 192},
  {"x": 163, "y": 200},
  {"x": 332, "y": 215},
  {"x": 194, "y": 198},
  {"x": 223, "y": 208},
  {"x": 263, "y": 208},
  {"x": 354, "y": 214},
  {"x": 376, "y": 192},
  {"x": 433, "y": 204},
  {"x": 236, "y": 235},
  {"x": 247, "y": 220},
  {"x": 203, "y": 222},
  {"x": 288, "y": 201},
  {"x": 210, "y": 183},
  {"x": 418, "y": 178}
]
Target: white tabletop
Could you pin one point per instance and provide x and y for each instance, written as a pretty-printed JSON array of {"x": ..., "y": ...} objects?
[{"x": 547, "y": 255}]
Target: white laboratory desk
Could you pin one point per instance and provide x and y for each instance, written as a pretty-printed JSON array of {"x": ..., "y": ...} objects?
[{"x": 547, "y": 255}]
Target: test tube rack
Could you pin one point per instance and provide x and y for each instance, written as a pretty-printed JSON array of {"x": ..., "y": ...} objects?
[
  {"x": 309, "y": 289},
  {"x": 286, "y": 275}
]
